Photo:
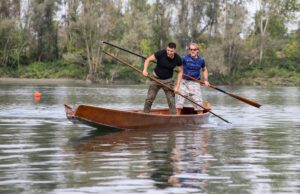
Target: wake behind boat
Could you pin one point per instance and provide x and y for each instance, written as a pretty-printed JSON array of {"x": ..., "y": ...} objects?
[{"x": 134, "y": 119}]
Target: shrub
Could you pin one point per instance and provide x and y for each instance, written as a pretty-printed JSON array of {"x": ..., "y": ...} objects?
[{"x": 57, "y": 69}]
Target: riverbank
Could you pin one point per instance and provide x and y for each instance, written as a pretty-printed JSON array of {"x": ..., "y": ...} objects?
[
  {"x": 249, "y": 81},
  {"x": 269, "y": 76},
  {"x": 69, "y": 74},
  {"x": 40, "y": 81},
  {"x": 273, "y": 76},
  {"x": 59, "y": 81}
]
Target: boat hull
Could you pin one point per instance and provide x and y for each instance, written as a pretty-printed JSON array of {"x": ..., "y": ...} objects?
[{"x": 134, "y": 119}]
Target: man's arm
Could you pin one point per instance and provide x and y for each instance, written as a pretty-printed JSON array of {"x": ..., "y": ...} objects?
[
  {"x": 205, "y": 76},
  {"x": 146, "y": 64},
  {"x": 179, "y": 78}
]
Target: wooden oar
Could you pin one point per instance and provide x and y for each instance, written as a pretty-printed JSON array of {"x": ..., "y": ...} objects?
[
  {"x": 250, "y": 102},
  {"x": 162, "y": 84}
]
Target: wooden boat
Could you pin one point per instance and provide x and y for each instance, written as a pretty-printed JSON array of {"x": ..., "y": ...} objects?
[{"x": 134, "y": 119}]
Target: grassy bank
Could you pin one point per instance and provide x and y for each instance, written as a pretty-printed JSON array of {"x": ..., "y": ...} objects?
[
  {"x": 40, "y": 70},
  {"x": 62, "y": 70},
  {"x": 270, "y": 76},
  {"x": 260, "y": 76}
]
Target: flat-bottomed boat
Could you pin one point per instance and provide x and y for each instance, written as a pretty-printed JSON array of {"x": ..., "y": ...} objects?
[{"x": 134, "y": 119}]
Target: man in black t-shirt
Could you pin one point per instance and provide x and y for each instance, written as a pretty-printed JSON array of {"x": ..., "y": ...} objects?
[{"x": 167, "y": 60}]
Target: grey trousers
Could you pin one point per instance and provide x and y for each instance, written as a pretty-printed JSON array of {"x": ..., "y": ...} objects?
[{"x": 154, "y": 89}]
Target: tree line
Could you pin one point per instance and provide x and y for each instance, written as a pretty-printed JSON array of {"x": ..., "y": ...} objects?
[{"x": 232, "y": 40}]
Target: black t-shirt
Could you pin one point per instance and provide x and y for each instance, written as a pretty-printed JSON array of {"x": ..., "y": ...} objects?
[{"x": 165, "y": 65}]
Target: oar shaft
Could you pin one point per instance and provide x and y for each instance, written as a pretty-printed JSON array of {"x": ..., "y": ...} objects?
[
  {"x": 164, "y": 85},
  {"x": 110, "y": 44}
]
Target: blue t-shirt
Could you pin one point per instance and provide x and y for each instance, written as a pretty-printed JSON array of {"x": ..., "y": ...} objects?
[{"x": 192, "y": 66}]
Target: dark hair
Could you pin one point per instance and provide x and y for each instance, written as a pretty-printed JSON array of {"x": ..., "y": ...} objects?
[{"x": 172, "y": 45}]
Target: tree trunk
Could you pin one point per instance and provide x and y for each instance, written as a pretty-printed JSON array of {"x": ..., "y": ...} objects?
[
  {"x": 263, "y": 29},
  {"x": 90, "y": 62}
]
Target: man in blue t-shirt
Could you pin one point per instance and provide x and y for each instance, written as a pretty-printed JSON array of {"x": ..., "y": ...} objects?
[
  {"x": 192, "y": 65},
  {"x": 167, "y": 59}
]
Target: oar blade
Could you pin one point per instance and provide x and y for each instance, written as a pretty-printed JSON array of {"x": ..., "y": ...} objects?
[{"x": 250, "y": 102}]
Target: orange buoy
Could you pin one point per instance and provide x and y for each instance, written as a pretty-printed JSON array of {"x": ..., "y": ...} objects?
[{"x": 37, "y": 94}]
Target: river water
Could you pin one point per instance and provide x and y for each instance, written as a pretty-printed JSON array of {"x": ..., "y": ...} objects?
[{"x": 42, "y": 152}]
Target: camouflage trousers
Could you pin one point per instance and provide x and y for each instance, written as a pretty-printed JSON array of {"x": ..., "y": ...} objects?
[
  {"x": 154, "y": 89},
  {"x": 191, "y": 90}
]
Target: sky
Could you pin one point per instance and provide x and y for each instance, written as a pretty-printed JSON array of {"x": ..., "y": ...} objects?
[{"x": 252, "y": 7}]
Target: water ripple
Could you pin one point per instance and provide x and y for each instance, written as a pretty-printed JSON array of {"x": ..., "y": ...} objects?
[{"x": 42, "y": 152}]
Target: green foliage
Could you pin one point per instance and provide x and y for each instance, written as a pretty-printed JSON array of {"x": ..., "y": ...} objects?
[
  {"x": 276, "y": 27},
  {"x": 292, "y": 50},
  {"x": 7, "y": 42},
  {"x": 145, "y": 46},
  {"x": 7, "y": 72},
  {"x": 57, "y": 69},
  {"x": 116, "y": 71},
  {"x": 258, "y": 75},
  {"x": 45, "y": 30},
  {"x": 35, "y": 43}
]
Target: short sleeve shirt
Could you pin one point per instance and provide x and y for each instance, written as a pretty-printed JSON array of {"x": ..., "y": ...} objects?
[
  {"x": 165, "y": 65},
  {"x": 192, "y": 66}
]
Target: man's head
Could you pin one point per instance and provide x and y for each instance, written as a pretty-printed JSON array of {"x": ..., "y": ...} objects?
[
  {"x": 171, "y": 50},
  {"x": 193, "y": 49}
]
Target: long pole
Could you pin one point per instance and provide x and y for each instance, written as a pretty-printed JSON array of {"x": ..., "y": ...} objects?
[
  {"x": 162, "y": 84},
  {"x": 243, "y": 99}
]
